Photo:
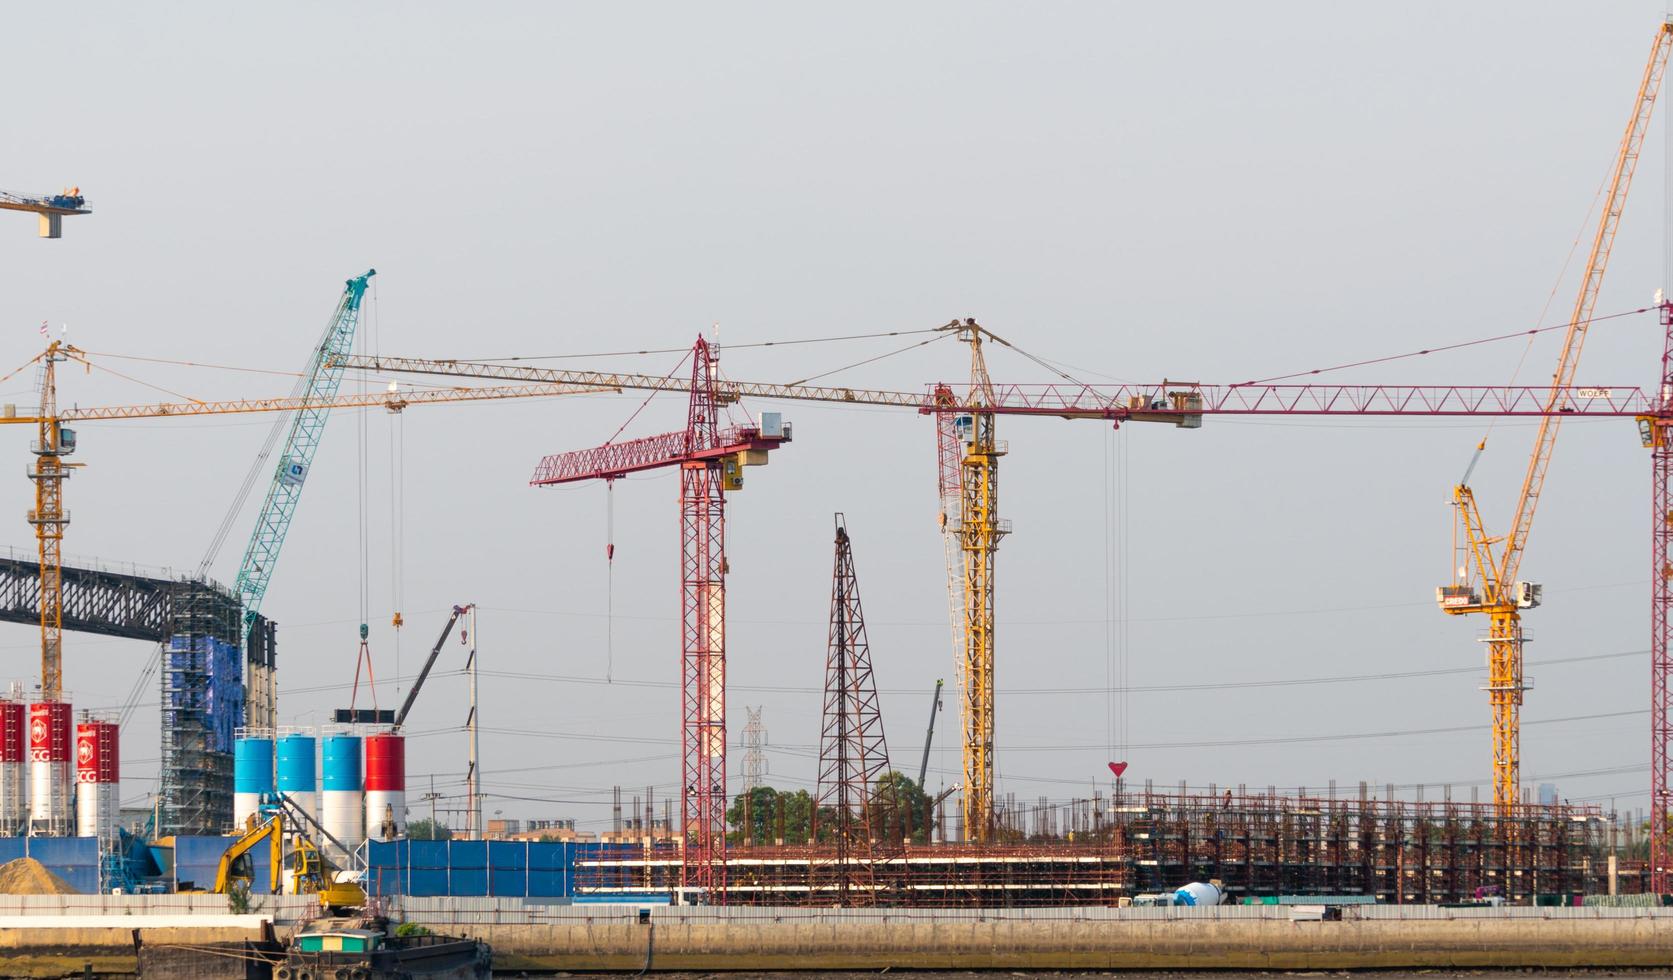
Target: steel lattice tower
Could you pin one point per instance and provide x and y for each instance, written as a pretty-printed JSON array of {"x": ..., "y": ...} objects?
[
  {"x": 853, "y": 753},
  {"x": 755, "y": 757},
  {"x": 703, "y": 625}
]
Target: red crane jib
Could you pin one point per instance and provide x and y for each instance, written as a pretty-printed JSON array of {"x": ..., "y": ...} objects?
[{"x": 635, "y": 455}]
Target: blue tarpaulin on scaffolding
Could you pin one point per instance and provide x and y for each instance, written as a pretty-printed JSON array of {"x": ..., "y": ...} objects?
[
  {"x": 74, "y": 859},
  {"x": 218, "y": 699},
  {"x": 531, "y": 869}
]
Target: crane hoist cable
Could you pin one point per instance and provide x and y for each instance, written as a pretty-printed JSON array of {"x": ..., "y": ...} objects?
[
  {"x": 609, "y": 580},
  {"x": 610, "y": 537},
  {"x": 364, "y": 547},
  {"x": 364, "y": 657},
  {"x": 1550, "y": 297}
]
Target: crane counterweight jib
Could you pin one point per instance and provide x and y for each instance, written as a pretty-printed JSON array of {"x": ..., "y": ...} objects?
[{"x": 618, "y": 459}]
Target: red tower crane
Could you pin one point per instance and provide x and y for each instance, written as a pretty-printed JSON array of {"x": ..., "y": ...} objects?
[{"x": 711, "y": 461}]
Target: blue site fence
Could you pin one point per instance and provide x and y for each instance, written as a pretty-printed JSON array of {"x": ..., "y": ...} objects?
[
  {"x": 74, "y": 859},
  {"x": 456, "y": 868}
]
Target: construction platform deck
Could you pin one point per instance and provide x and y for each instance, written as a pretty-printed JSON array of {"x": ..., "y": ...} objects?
[{"x": 1395, "y": 851}]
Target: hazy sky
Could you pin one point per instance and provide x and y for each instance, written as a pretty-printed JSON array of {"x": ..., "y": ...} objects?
[{"x": 1212, "y": 191}]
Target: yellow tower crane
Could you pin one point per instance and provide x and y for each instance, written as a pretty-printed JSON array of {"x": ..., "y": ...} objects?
[
  {"x": 979, "y": 530},
  {"x": 1482, "y": 581},
  {"x": 55, "y": 440}
]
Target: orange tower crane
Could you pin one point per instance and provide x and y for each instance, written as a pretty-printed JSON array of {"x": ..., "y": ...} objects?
[
  {"x": 1485, "y": 582},
  {"x": 56, "y": 440}
]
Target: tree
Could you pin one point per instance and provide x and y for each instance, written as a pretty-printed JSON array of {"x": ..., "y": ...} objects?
[
  {"x": 898, "y": 801},
  {"x": 764, "y": 803},
  {"x": 427, "y": 829}
]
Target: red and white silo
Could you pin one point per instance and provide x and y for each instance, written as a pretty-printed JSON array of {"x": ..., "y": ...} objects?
[
  {"x": 14, "y": 768},
  {"x": 386, "y": 786},
  {"x": 97, "y": 786},
  {"x": 51, "y": 772}
]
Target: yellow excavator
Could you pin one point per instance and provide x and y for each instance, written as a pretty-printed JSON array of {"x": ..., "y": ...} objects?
[{"x": 309, "y": 873}]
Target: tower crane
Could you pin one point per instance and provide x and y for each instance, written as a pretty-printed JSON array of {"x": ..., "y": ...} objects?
[
  {"x": 56, "y": 440},
  {"x": 979, "y": 530},
  {"x": 711, "y": 462},
  {"x": 52, "y": 208},
  {"x": 1182, "y": 404},
  {"x": 284, "y": 491},
  {"x": 1485, "y": 582}
]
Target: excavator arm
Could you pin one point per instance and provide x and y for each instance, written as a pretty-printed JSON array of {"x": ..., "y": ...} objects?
[{"x": 272, "y": 833}]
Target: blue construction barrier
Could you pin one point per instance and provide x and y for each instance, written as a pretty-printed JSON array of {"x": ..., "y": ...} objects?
[
  {"x": 198, "y": 859},
  {"x": 74, "y": 859},
  {"x": 425, "y": 868}
]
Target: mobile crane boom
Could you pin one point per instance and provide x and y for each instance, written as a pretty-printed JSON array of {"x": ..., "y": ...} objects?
[
  {"x": 435, "y": 651},
  {"x": 929, "y": 736}
]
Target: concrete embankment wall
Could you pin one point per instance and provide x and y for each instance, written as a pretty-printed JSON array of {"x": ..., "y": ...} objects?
[
  {"x": 575, "y": 938},
  {"x": 60, "y": 946}
]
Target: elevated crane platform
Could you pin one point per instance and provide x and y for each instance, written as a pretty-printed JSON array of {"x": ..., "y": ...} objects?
[{"x": 50, "y": 207}]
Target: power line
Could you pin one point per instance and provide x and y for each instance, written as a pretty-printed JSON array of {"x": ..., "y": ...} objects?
[{"x": 1083, "y": 689}]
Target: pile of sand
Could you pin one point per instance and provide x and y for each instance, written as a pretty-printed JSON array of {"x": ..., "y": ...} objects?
[{"x": 27, "y": 876}]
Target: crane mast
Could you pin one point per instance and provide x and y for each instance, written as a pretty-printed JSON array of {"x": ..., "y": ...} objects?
[
  {"x": 1656, "y": 431},
  {"x": 1502, "y": 597},
  {"x": 53, "y": 442},
  {"x": 980, "y": 530}
]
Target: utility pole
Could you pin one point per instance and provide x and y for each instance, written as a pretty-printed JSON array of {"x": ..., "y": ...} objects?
[
  {"x": 432, "y": 796},
  {"x": 473, "y": 773}
]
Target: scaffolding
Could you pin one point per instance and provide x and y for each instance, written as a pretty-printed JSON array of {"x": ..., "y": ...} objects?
[
  {"x": 202, "y": 705},
  {"x": 195, "y": 622},
  {"x": 1104, "y": 850}
]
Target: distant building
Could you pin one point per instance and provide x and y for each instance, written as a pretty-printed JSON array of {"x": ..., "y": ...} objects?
[
  {"x": 1548, "y": 794},
  {"x": 536, "y": 830},
  {"x": 633, "y": 832}
]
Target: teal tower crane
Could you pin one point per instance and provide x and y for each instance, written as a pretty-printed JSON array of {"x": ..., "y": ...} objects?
[{"x": 320, "y": 382}]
